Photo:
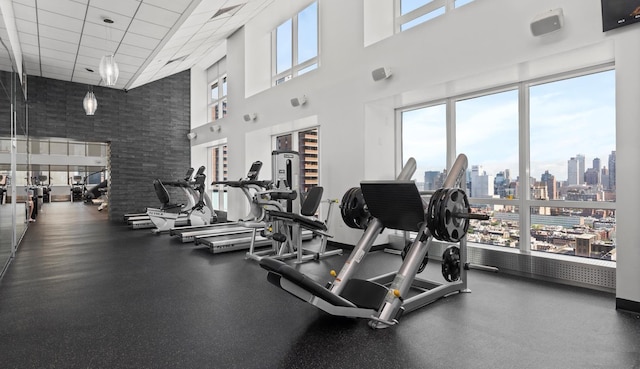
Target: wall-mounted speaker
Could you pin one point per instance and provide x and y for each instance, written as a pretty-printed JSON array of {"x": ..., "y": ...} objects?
[
  {"x": 250, "y": 117},
  {"x": 192, "y": 135},
  {"x": 297, "y": 101},
  {"x": 381, "y": 73},
  {"x": 548, "y": 22}
]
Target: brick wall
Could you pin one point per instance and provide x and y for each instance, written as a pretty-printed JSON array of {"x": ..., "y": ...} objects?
[{"x": 146, "y": 128}]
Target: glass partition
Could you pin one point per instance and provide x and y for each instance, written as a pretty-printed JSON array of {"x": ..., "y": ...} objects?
[{"x": 13, "y": 212}]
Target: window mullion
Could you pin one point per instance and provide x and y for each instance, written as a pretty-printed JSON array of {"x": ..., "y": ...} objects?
[
  {"x": 294, "y": 45},
  {"x": 524, "y": 198}
]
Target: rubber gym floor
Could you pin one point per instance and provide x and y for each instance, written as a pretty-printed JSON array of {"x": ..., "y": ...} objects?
[{"x": 84, "y": 292}]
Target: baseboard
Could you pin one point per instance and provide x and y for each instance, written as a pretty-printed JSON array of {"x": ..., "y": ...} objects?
[{"x": 628, "y": 305}]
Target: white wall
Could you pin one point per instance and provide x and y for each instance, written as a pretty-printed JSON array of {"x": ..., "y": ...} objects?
[{"x": 481, "y": 45}]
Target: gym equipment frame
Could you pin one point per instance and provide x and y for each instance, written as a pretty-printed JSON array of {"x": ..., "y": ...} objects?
[{"x": 398, "y": 205}]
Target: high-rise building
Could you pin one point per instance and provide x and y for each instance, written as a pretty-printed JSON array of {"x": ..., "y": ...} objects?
[
  {"x": 481, "y": 183},
  {"x": 604, "y": 177},
  {"x": 430, "y": 178},
  {"x": 549, "y": 180},
  {"x": 598, "y": 168},
  {"x": 572, "y": 171},
  {"x": 581, "y": 168},
  {"x": 592, "y": 177},
  {"x": 612, "y": 170}
]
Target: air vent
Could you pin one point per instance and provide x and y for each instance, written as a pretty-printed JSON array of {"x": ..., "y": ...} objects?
[
  {"x": 228, "y": 11},
  {"x": 177, "y": 59}
]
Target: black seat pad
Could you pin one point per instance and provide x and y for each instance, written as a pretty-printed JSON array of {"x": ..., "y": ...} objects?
[
  {"x": 308, "y": 223},
  {"x": 287, "y": 272}
]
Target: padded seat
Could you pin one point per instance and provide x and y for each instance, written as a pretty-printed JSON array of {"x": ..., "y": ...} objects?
[{"x": 279, "y": 269}]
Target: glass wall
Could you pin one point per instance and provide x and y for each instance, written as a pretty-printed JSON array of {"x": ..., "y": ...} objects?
[
  {"x": 13, "y": 213},
  {"x": 561, "y": 132}
]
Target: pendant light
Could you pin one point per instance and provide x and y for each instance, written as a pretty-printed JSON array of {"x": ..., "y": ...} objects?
[
  {"x": 90, "y": 103},
  {"x": 108, "y": 67}
]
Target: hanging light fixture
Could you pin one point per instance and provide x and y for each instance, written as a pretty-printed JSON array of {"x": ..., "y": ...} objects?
[
  {"x": 109, "y": 70},
  {"x": 108, "y": 67},
  {"x": 90, "y": 103}
]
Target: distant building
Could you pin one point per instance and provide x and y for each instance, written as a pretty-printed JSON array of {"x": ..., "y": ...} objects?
[
  {"x": 549, "y": 180},
  {"x": 612, "y": 170},
  {"x": 481, "y": 183}
]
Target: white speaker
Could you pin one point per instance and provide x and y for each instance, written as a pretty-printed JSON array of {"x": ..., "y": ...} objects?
[
  {"x": 192, "y": 135},
  {"x": 297, "y": 101},
  {"x": 548, "y": 22},
  {"x": 381, "y": 73}
]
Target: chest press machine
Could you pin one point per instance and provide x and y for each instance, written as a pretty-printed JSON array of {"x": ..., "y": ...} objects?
[{"x": 398, "y": 205}]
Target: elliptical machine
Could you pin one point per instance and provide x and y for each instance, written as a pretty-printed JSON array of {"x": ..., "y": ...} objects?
[{"x": 198, "y": 212}]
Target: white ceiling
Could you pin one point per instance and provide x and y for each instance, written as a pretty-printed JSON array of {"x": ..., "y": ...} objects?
[{"x": 151, "y": 39}]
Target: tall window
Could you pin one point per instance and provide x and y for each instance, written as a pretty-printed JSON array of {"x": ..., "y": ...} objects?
[
  {"x": 566, "y": 204},
  {"x": 295, "y": 45},
  {"x": 218, "y": 99},
  {"x": 426, "y": 127},
  {"x": 410, "y": 13}
]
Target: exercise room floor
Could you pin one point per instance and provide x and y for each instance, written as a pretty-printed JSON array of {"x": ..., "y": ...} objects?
[{"x": 87, "y": 293}]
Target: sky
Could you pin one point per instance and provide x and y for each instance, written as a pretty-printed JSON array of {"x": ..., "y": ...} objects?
[{"x": 568, "y": 117}]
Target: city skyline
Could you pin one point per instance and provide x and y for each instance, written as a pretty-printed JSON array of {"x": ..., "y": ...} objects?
[{"x": 567, "y": 117}]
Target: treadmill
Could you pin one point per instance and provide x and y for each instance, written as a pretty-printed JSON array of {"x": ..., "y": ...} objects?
[
  {"x": 245, "y": 234},
  {"x": 220, "y": 231}
]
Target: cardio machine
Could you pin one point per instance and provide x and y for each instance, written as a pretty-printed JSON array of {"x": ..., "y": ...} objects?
[
  {"x": 198, "y": 212},
  {"x": 383, "y": 299}
]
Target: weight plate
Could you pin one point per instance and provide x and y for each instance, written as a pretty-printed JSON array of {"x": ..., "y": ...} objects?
[{"x": 451, "y": 263}]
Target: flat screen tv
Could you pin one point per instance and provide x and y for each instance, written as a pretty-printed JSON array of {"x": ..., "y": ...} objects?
[{"x": 619, "y": 13}]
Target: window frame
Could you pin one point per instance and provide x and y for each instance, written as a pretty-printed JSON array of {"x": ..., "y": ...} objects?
[
  {"x": 524, "y": 203},
  {"x": 296, "y": 69},
  {"x": 430, "y": 6}
]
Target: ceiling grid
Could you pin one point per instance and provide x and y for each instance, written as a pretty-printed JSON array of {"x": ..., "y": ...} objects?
[{"x": 65, "y": 39}]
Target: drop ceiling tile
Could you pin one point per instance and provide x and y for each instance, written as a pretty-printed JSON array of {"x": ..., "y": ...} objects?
[
  {"x": 123, "y": 7},
  {"x": 54, "y": 44},
  {"x": 99, "y": 43},
  {"x": 148, "y": 29},
  {"x": 28, "y": 39},
  {"x": 91, "y": 52},
  {"x": 26, "y": 26},
  {"x": 56, "y": 55},
  {"x": 31, "y": 3},
  {"x": 160, "y": 16},
  {"x": 96, "y": 15},
  {"x": 62, "y": 76},
  {"x": 103, "y": 32},
  {"x": 60, "y": 34},
  {"x": 133, "y": 51},
  {"x": 63, "y": 7},
  {"x": 178, "y": 6},
  {"x": 30, "y": 49},
  {"x": 129, "y": 60},
  {"x": 60, "y": 21},
  {"x": 25, "y": 12},
  {"x": 140, "y": 41},
  {"x": 54, "y": 69}
]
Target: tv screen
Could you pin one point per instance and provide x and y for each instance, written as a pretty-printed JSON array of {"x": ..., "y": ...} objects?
[{"x": 619, "y": 13}]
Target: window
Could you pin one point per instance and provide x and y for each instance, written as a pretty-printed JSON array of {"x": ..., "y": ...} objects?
[
  {"x": 566, "y": 204},
  {"x": 218, "y": 99},
  {"x": 410, "y": 13},
  {"x": 426, "y": 127},
  {"x": 489, "y": 121},
  {"x": 295, "y": 45}
]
